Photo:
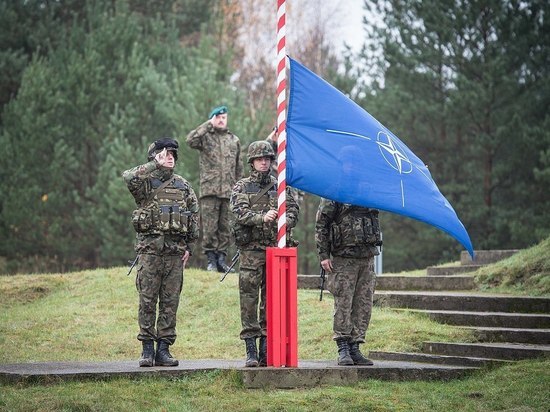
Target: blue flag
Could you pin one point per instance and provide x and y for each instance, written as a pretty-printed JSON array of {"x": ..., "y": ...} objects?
[{"x": 335, "y": 149}]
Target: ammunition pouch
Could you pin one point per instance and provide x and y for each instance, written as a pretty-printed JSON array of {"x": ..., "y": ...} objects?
[
  {"x": 356, "y": 229},
  {"x": 166, "y": 218},
  {"x": 142, "y": 220}
]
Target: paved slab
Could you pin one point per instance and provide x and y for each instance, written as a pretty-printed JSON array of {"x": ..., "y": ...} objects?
[
  {"x": 450, "y": 270},
  {"x": 464, "y": 301},
  {"x": 307, "y": 374},
  {"x": 510, "y": 351},
  {"x": 437, "y": 359},
  {"x": 488, "y": 319},
  {"x": 515, "y": 335}
]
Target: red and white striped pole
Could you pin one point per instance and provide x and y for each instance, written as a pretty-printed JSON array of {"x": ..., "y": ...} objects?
[
  {"x": 281, "y": 262},
  {"x": 281, "y": 122}
]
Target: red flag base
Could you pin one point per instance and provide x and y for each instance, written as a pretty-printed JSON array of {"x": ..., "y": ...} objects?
[{"x": 282, "y": 306}]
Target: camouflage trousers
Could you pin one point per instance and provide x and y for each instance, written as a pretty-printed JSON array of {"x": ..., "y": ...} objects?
[
  {"x": 215, "y": 224},
  {"x": 252, "y": 294},
  {"x": 159, "y": 280},
  {"x": 352, "y": 285}
]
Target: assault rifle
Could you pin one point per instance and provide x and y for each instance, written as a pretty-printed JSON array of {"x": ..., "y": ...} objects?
[
  {"x": 323, "y": 276},
  {"x": 132, "y": 264},
  {"x": 234, "y": 261}
]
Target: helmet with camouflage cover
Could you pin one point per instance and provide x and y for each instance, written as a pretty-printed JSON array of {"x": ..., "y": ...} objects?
[
  {"x": 260, "y": 148},
  {"x": 159, "y": 145}
]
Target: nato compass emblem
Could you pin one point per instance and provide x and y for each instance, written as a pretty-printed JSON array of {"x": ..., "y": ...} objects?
[{"x": 393, "y": 152}]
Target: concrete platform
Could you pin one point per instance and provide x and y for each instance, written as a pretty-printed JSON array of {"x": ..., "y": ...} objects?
[{"x": 308, "y": 374}]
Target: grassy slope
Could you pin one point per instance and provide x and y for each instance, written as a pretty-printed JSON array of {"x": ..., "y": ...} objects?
[
  {"x": 92, "y": 316},
  {"x": 526, "y": 272}
]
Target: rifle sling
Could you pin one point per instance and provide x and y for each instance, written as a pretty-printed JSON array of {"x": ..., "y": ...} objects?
[
  {"x": 262, "y": 192},
  {"x": 158, "y": 189}
]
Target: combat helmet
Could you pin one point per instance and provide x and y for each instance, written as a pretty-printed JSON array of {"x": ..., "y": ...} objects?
[
  {"x": 260, "y": 148},
  {"x": 158, "y": 145}
]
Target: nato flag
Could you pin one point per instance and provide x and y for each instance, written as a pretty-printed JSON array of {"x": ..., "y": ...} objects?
[{"x": 335, "y": 149}]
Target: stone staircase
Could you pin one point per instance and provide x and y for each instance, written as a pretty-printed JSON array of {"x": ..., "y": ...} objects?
[{"x": 507, "y": 328}]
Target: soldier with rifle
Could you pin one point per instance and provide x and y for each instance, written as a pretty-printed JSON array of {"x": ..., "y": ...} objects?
[
  {"x": 347, "y": 237},
  {"x": 254, "y": 203}
]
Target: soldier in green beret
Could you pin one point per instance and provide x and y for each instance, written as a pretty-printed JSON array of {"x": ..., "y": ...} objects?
[
  {"x": 347, "y": 237},
  {"x": 220, "y": 166},
  {"x": 166, "y": 225}
]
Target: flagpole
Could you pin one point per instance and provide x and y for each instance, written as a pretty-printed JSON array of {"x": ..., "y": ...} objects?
[
  {"x": 281, "y": 261},
  {"x": 281, "y": 123}
]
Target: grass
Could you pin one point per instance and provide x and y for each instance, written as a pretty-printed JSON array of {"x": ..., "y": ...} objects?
[
  {"x": 92, "y": 315},
  {"x": 526, "y": 272}
]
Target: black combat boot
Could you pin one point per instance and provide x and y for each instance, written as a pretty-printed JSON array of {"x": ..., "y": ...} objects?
[
  {"x": 212, "y": 262},
  {"x": 251, "y": 353},
  {"x": 262, "y": 358},
  {"x": 222, "y": 267},
  {"x": 357, "y": 356},
  {"x": 163, "y": 356},
  {"x": 344, "y": 358},
  {"x": 148, "y": 353}
]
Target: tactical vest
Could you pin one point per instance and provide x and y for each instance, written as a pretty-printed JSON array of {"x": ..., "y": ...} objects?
[
  {"x": 356, "y": 226},
  {"x": 165, "y": 213},
  {"x": 265, "y": 234}
]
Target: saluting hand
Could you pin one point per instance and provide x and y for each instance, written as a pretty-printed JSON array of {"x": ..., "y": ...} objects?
[{"x": 161, "y": 157}]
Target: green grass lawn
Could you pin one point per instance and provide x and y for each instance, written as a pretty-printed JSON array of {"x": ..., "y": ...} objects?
[{"x": 92, "y": 316}]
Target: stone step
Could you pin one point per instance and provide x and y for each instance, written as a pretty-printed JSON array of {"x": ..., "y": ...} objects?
[
  {"x": 437, "y": 359},
  {"x": 485, "y": 257},
  {"x": 462, "y": 301},
  {"x": 450, "y": 270},
  {"x": 400, "y": 283},
  {"x": 508, "y": 351},
  {"x": 397, "y": 282},
  {"x": 308, "y": 374},
  {"x": 488, "y": 319},
  {"x": 515, "y": 335}
]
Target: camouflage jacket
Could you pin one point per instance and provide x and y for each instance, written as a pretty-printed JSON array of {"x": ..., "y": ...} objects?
[
  {"x": 220, "y": 163},
  {"x": 334, "y": 236},
  {"x": 141, "y": 181},
  {"x": 249, "y": 228}
]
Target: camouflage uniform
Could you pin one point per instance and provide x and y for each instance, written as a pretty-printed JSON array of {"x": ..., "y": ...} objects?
[
  {"x": 164, "y": 234},
  {"x": 220, "y": 167},
  {"x": 350, "y": 234},
  {"x": 252, "y": 236}
]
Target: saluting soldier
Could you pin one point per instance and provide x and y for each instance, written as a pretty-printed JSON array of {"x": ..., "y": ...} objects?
[
  {"x": 254, "y": 204},
  {"x": 166, "y": 225},
  {"x": 347, "y": 237},
  {"x": 220, "y": 166}
]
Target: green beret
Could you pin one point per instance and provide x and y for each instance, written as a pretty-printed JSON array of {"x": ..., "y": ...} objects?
[{"x": 218, "y": 110}]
